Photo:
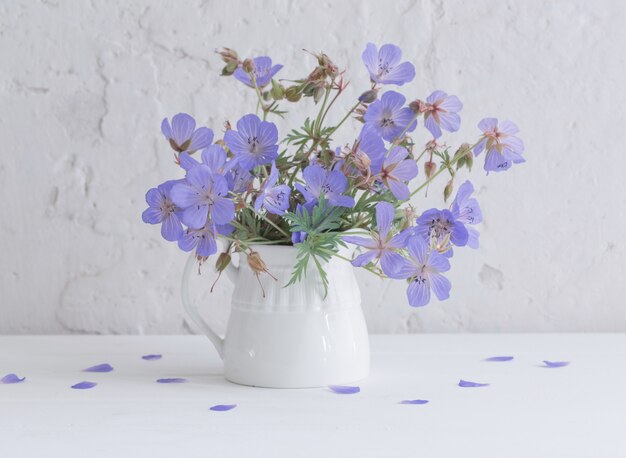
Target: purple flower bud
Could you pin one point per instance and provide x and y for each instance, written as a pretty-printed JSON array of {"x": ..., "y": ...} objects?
[{"x": 369, "y": 96}]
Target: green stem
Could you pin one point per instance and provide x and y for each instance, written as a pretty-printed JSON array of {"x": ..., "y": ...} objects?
[
  {"x": 257, "y": 241},
  {"x": 332, "y": 253},
  {"x": 293, "y": 175},
  {"x": 421, "y": 155},
  {"x": 329, "y": 106},
  {"x": 438, "y": 172},
  {"x": 334, "y": 129},
  {"x": 318, "y": 121},
  {"x": 258, "y": 93},
  {"x": 270, "y": 222}
]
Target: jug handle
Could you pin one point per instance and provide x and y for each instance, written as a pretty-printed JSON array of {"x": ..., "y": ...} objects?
[{"x": 192, "y": 309}]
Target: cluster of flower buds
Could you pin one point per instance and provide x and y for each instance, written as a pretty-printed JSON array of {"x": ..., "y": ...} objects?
[
  {"x": 231, "y": 59},
  {"x": 357, "y": 165},
  {"x": 320, "y": 79},
  {"x": 464, "y": 156}
]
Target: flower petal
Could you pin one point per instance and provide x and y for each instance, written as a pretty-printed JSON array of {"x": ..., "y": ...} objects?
[
  {"x": 473, "y": 236},
  {"x": 248, "y": 126},
  {"x": 268, "y": 134},
  {"x": 337, "y": 182},
  {"x": 418, "y": 293},
  {"x": 152, "y": 215},
  {"x": 466, "y": 384},
  {"x": 364, "y": 258},
  {"x": 184, "y": 195},
  {"x": 441, "y": 286},
  {"x": 83, "y": 385},
  {"x": 315, "y": 176},
  {"x": 235, "y": 142},
  {"x": 451, "y": 104},
  {"x": 186, "y": 161},
  {"x": 241, "y": 75},
  {"x": 172, "y": 380},
  {"x": 195, "y": 216},
  {"x": 152, "y": 357},
  {"x": 154, "y": 197},
  {"x": 508, "y": 127},
  {"x": 384, "y": 218},
  {"x": 496, "y": 162},
  {"x": 450, "y": 121},
  {"x": 223, "y": 407},
  {"x": 200, "y": 139},
  {"x": 488, "y": 124},
  {"x": 389, "y": 54},
  {"x": 406, "y": 170},
  {"x": 391, "y": 100},
  {"x": 105, "y": 367},
  {"x": 432, "y": 126},
  {"x": 222, "y": 210},
  {"x": 11, "y": 378},
  {"x": 439, "y": 262},
  {"x": 399, "y": 189},
  {"x": 341, "y": 389},
  {"x": 166, "y": 129},
  {"x": 418, "y": 249},
  {"x": 555, "y": 364},
  {"x": 514, "y": 144},
  {"x": 499, "y": 359},
  {"x": 400, "y": 74},
  {"x": 360, "y": 241},
  {"x": 393, "y": 264},
  {"x": 171, "y": 229},
  {"x": 183, "y": 126},
  {"x": 414, "y": 401},
  {"x": 370, "y": 59},
  {"x": 214, "y": 157}
]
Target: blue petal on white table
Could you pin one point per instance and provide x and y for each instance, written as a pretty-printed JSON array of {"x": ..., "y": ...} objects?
[
  {"x": 499, "y": 359},
  {"x": 84, "y": 385},
  {"x": 414, "y": 401},
  {"x": 151, "y": 357},
  {"x": 223, "y": 407},
  {"x": 554, "y": 364},
  {"x": 466, "y": 384},
  {"x": 11, "y": 378},
  {"x": 341, "y": 389},
  {"x": 105, "y": 367},
  {"x": 172, "y": 380}
]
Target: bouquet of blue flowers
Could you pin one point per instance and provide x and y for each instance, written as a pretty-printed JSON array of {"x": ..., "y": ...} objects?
[{"x": 250, "y": 188}]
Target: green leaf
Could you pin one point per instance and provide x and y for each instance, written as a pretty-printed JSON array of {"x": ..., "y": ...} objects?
[{"x": 321, "y": 243}]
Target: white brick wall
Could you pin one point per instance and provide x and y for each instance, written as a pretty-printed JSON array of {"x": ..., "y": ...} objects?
[{"x": 84, "y": 85}]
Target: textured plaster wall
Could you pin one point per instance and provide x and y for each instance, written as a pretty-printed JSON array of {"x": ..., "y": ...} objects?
[{"x": 84, "y": 86}]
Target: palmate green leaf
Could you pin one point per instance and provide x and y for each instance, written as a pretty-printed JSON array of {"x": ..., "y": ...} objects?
[
  {"x": 321, "y": 243},
  {"x": 299, "y": 137}
]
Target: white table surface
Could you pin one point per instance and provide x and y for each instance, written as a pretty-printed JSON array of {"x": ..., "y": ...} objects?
[{"x": 527, "y": 411}]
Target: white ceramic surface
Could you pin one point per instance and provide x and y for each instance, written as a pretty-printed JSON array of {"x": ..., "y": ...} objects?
[{"x": 290, "y": 337}]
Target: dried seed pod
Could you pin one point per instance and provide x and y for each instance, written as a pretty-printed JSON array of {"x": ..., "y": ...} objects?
[
  {"x": 223, "y": 260},
  {"x": 447, "y": 191},
  {"x": 293, "y": 94},
  {"x": 228, "y": 55},
  {"x": 430, "y": 168},
  {"x": 258, "y": 266}
]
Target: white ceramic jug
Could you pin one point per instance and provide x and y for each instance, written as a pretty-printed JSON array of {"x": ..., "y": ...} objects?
[{"x": 293, "y": 337}]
